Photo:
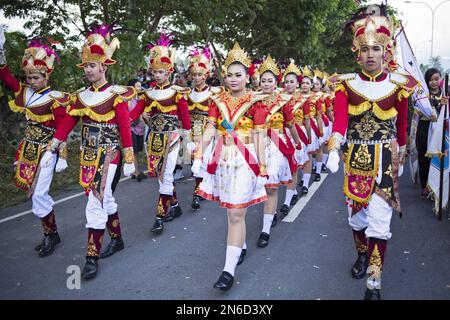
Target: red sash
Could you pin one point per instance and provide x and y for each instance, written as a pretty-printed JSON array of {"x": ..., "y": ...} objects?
[
  {"x": 251, "y": 161},
  {"x": 301, "y": 134},
  {"x": 287, "y": 149},
  {"x": 325, "y": 120},
  {"x": 315, "y": 128}
]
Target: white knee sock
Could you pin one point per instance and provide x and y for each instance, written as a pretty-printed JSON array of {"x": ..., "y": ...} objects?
[
  {"x": 306, "y": 178},
  {"x": 325, "y": 158},
  {"x": 267, "y": 222},
  {"x": 318, "y": 167},
  {"x": 232, "y": 258},
  {"x": 289, "y": 194}
]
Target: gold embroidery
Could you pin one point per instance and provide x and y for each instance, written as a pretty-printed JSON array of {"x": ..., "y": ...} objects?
[
  {"x": 375, "y": 257},
  {"x": 363, "y": 159}
]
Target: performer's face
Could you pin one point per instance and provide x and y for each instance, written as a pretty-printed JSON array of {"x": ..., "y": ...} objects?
[
  {"x": 94, "y": 71},
  {"x": 434, "y": 81},
  {"x": 268, "y": 82},
  {"x": 255, "y": 81},
  {"x": 326, "y": 89},
  {"x": 161, "y": 76},
  {"x": 317, "y": 86},
  {"x": 306, "y": 85},
  {"x": 371, "y": 58},
  {"x": 237, "y": 77},
  {"x": 291, "y": 83},
  {"x": 199, "y": 79},
  {"x": 37, "y": 81}
]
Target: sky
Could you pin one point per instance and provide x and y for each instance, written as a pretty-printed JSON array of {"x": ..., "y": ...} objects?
[{"x": 416, "y": 17}]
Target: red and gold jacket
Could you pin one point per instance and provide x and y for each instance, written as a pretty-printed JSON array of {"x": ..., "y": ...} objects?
[
  {"x": 106, "y": 124},
  {"x": 44, "y": 111},
  {"x": 385, "y": 95},
  {"x": 168, "y": 100}
]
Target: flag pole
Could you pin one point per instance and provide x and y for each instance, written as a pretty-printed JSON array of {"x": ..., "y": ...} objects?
[{"x": 441, "y": 177}]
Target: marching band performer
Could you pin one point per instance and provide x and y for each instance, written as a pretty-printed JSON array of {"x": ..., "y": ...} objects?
[
  {"x": 371, "y": 108},
  {"x": 280, "y": 152},
  {"x": 199, "y": 100},
  {"x": 164, "y": 106},
  {"x": 103, "y": 110},
  {"x": 237, "y": 171},
  {"x": 44, "y": 109}
]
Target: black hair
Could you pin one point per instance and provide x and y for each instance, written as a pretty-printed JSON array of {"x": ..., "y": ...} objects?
[
  {"x": 240, "y": 64},
  {"x": 132, "y": 82},
  {"x": 429, "y": 73}
]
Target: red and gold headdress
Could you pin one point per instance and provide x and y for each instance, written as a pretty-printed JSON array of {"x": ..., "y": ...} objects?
[
  {"x": 162, "y": 55},
  {"x": 38, "y": 57},
  {"x": 99, "y": 46},
  {"x": 371, "y": 26},
  {"x": 200, "y": 61}
]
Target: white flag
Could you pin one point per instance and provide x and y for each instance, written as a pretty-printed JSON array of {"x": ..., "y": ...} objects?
[
  {"x": 435, "y": 151},
  {"x": 410, "y": 66}
]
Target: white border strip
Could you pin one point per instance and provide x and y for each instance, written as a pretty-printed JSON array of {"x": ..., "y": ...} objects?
[
  {"x": 295, "y": 211},
  {"x": 56, "y": 202}
]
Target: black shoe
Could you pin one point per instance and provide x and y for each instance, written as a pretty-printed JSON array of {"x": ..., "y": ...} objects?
[
  {"x": 242, "y": 256},
  {"x": 139, "y": 177},
  {"x": 284, "y": 209},
  {"x": 274, "y": 221},
  {"x": 174, "y": 212},
  {"x": 263, "y": 240},
  {"x": 372, "y": 294},
  {"x": 48, "y": 244},
  {"x": 90, "y": 268},
  {"x": 116, "y": 244},
  {"x": 158, "y": 226},
  {"x": 195, "y": 205},
  {"x": 294, "y": 199},
  {"x": 324, "y": 168},
  {"x": 304, "y": 190},
  {"x": 225, "y": 281},
  {"x": 300, "y": 184},
  {"x": 317, "y": 177},
  {"x": 133, "y": 176},
  {"x": 360, "y": 266}
]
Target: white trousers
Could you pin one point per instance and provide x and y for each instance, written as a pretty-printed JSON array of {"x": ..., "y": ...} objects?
[
  {"x": 96, "y": 213},
  {"x": 166, "y": 185},
  {"x": 376, "y": 218},
  {"x": 42, "y": 203}
]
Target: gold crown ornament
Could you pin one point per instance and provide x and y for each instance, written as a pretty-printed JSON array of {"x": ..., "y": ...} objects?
[
  {"x": 99, "y": 47},
  {"x": 306, "y": 72},
  {"x": 269, "y": 65},
  {"x": 237, "y": 55},
  {"x": 38, "y": 57},
  {"x": 292, "y": 68}
]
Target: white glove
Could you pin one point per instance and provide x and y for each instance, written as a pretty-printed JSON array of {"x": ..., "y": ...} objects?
[
  {"x": 190, "y": 146},
  {"x": 128, "y": 169},
  {"x": 333, "y": 161},
  {"x": 400, "y": 171},
  {"x": 61, "y": 165},
  {"x": 196, "y": 166},
  {"x": 261, "y": 182},
  {"x": 46, "y": 159}
]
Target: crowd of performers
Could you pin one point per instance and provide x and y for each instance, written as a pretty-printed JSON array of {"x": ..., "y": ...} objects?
[{"x": 243, "y": 144}]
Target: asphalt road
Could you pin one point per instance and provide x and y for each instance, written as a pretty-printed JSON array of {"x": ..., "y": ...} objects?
[{"x": 309, "y": 258}]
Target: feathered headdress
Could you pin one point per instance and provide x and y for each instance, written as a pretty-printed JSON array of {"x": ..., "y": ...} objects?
[
  {"x": 39, "y": 57},
  {"x": 162, "y": 55}
]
